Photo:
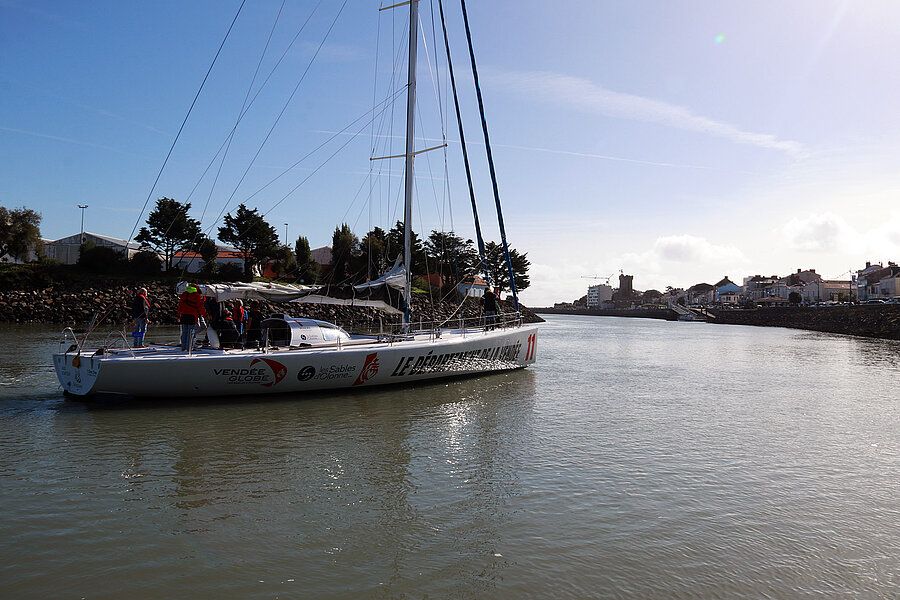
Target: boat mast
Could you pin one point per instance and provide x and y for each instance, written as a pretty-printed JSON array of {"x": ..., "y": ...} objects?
[{"x": 410, "y": 154}]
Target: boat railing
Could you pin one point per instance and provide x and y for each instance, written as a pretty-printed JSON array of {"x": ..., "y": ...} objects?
[
  {"x": 74, "y": 345},
  {"x": 464, "y": 325},
  {"x": 113, "y": 337}
]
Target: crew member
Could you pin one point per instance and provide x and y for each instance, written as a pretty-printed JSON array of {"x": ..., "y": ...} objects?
[
  {"x": 490, "y": 302},
  {"x": 228, "y": 335},
  {"x": 254, "y": 325},
  {"x": 140, "y": 312},
  {"x": 190, "y": 309},
  {"x": 239, "y": 316}
]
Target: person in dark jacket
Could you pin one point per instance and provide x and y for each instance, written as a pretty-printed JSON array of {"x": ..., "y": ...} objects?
[
  {"x": 254, "y": 324},
  {"x": 228, "y": 333},
  {"x": 490, "y": 302},
  {"x": 140, "y": 313}
]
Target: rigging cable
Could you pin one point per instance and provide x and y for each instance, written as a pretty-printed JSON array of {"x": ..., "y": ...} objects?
[
  {"x": 180, "y": 129},
  {"x": 487, "y": 144},
  {"x": 281, "y": 114},
  {"x": 462, "y": 139}
]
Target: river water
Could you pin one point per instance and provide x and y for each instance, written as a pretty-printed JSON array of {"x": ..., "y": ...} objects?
[{"x": 638, "y": 459}]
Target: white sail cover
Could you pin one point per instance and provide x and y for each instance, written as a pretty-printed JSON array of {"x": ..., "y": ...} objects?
[
  {"x": 271, "y": 292},
  {"x": 371, "y": 294},
  {"x": 395, "y": 278}
]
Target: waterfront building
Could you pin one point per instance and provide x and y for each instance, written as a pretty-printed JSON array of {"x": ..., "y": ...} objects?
[
  {"x": 727, "y": 292},
  {"x": 876, "y": 281},
  {"x": 701, "y": 294},
  {"x": 826, "y": 290},
  {"x": 598, "y": 294}
]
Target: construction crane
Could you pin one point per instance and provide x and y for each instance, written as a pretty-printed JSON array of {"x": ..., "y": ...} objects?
[{"x": 606, "y": 279}]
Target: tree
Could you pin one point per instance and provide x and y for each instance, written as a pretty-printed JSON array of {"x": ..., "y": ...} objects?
[
  {"x": 498, "y": 271},
  {"x": 795, "y": 298},
  {"x": 100, "y": 259},
  {"x": 249, "y": 232},
  {"x": 395, "y": 247},
  {"x": 451, "y": 256},
  {"x": 374, "y": 260},
  {"x": 170, "y": 230},
  {"x": 19, "y": 232},
  {"x": 145, "y": 263},
  {"x": 283, "y": 261},
  {"x": 344, "y": 248},
  {"x": 307, "y": 268},
  {"x": 651, "y": 295},
  {"x": 209, "y": 252}
]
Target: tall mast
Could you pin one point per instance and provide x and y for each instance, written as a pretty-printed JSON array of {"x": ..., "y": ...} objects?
[{"x": 410, "y": 153}]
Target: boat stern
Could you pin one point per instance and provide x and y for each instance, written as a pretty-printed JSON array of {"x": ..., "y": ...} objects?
[{"x": 77, "y": 374}]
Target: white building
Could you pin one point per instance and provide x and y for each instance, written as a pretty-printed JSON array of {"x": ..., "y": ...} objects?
[
  {"x": 67, "y": 250},
  {"x": 597, "y": 294},
  {"x": 473, "y": 287}
]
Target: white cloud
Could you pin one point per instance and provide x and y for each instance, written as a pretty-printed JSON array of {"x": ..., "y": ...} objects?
[
  {"x": 683, "y": 260},
  {"x": 826, "y": 232},
  {"x": 586, "y": 95}
]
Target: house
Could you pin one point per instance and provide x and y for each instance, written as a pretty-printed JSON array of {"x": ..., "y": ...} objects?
[
  {"x": 67, "y": 250},
  {"x": 862, "y": 279},
  {"x": 727, "y": 292},
  {"x": 758, "y": 286},
  {"x": 700, "y": 294},
  {"x": 474, "y": 287},
  {"x": 881, "y": 282},
  {"x": 192, "y": 262},
  {"x": 321, "y": 255},
  {"x": 826, "y": 290}
]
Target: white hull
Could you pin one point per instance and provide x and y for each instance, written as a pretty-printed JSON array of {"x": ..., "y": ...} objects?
[{"x": 162, "y": 371}]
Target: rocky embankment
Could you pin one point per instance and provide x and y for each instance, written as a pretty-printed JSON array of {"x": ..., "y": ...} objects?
[
  {"x": 75, "y": 306},
  {"x": 877, "y": 321}
]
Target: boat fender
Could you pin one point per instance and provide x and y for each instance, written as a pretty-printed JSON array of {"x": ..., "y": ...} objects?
[{"x": 76, "y": 361}]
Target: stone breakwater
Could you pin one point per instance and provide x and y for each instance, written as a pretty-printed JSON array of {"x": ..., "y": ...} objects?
[
  {"x": 877, "y": 321},
  {"x": 75, "y": 306}
]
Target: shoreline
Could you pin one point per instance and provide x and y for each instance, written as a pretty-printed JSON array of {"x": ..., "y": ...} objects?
[
  {"x": 873, "y": 321},
  {"x": 74, "y": 306}
]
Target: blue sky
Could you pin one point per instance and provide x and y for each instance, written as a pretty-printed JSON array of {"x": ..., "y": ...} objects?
[{"x": 677, "y": 141}]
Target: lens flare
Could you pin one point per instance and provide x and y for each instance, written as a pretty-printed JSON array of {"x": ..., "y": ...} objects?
[{"x": 720, "y": 38}]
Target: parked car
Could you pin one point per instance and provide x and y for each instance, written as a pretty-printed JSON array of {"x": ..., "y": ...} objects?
[
  {"x": 894, "y": 300},
  {"x": 874, "y": 301}
]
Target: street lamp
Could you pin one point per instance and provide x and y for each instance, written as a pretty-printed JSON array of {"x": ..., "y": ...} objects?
[
  {"x": 82, "y": 207},
  {"x": 285, "y": 234}
]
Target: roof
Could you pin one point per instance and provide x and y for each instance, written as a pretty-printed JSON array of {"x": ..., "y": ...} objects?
[
  {"x": 220, "y": 254},
  {"x": 475, "y": 281},
  {"x": 75, "y": 238},
  {"x": 701, "y": 287}
]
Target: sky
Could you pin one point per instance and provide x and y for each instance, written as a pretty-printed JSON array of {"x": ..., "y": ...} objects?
[{"x": 678, "y": 142}]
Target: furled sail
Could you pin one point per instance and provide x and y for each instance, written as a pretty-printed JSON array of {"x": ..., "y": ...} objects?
[{"x": 384, "y": 293}]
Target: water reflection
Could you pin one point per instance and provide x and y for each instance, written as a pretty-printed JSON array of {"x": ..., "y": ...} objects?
[{"x": 384, "y": 488}]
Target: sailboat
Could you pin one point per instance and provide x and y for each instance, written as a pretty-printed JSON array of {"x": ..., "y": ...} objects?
[{"x": 298, "y": 354}]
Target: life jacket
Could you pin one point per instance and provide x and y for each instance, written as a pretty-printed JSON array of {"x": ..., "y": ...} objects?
[
  {"x": 239, "y": 315},
  {"x": 191, "y": 304}
]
